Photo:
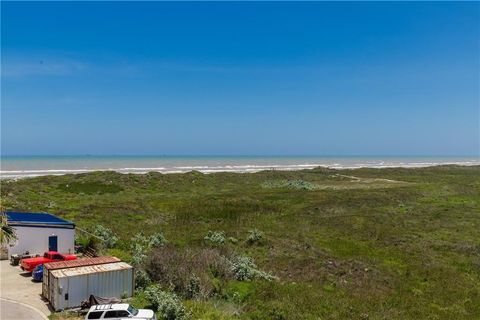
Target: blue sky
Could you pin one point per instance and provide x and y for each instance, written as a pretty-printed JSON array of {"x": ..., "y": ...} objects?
[{"x": 240, "y": 78}]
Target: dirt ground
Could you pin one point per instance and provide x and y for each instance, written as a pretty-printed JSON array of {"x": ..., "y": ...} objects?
[{"x": 17, "y": 286}]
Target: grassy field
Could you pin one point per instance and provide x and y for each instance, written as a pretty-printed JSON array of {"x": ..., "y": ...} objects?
[{"x": 341, "y": 244}]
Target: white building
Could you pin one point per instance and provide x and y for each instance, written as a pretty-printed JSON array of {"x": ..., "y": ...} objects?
[{"x": 40, "y": 232}]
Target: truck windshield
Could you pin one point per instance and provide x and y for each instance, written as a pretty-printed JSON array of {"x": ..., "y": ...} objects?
[
  {"x": 132, "y": 310},
  {"x": 46, "y": 255}
]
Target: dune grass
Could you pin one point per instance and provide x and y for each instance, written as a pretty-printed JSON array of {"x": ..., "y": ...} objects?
[{"x": 343, "y": 244}]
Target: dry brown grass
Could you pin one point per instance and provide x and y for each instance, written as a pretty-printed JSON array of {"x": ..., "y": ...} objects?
[{"x": 175, "y": 267}]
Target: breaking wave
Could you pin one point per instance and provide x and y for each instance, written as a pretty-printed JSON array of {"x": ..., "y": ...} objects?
[{"x": 347, "y": 164}]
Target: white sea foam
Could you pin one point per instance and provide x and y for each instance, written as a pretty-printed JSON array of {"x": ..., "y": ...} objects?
[{"x": 232, "y": 165}]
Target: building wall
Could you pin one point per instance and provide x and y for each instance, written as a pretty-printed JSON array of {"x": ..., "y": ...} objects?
[{"x": 35, "y": 240}]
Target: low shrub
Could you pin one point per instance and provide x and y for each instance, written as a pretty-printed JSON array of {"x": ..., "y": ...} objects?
[
  {"x": 110, "y": 239},
  {"x": 141, "y": 244},
  {"x": 154, "y": 241},
  {"x": 167, "y": 303},
  {"x": 232, "y": 240},
  {"x": 254, "y": 236},
  {"x": 142, "y": 280},
  {"x": 138, "y": 254},
  {"x": 157, "y": 240},
  {"x": 193, "y": 287},
  {"x": 244, "y": 269},
  {"x": 215, "y": 237}
]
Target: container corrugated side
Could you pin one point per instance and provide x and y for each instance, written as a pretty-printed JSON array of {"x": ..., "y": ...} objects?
[{"x": 72, "y": 286}]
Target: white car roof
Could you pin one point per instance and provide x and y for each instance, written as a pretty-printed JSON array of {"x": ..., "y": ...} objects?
[{"x": 103, "y": 307}]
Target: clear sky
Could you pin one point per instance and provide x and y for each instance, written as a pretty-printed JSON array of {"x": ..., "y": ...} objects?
[{"x": 378, "y": 78}]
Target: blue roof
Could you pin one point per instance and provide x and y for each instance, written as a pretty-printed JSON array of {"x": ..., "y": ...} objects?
[{"x": 33, "y": 218}]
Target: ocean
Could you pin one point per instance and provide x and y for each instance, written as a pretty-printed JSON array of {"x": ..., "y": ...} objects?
[{"x": 14, "y": 167}]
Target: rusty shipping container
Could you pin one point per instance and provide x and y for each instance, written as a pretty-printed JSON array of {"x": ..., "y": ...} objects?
[
  {"x": 69, "y": 287},
  {"x": 47, "y": 267}
]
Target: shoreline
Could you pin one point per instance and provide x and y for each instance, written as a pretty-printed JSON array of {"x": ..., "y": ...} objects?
[{"x": 24, "y": 174}]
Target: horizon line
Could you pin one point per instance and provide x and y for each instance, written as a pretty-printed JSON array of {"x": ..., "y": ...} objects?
[{"x": 237, "y": 155}]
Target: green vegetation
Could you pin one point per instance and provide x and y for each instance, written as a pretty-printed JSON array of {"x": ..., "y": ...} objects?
[
  {"x": 292, "y": 184},
  {"x": 90, "y": 187},
  {"x": 254, "y": 236},
  {"x": 167, "y": 303},
  {"x": 109, "y": 238},
  {"x": 7, "y": 233},
  {"x": 244, "y": 269},
  {"x": 313, "y": 244},
  {"x": 215, "y": 237},
  {"x": 140, "y": 245}
]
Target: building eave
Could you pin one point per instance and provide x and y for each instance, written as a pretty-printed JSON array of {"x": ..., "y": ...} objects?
[{"x": 44, "y": 225}]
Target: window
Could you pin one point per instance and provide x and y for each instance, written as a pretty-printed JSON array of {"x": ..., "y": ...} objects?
[
  {"x": 116, "y": 314},
  {"x": 57, "y": 257},
  {"x": 122, "y": 314},
  {"x": 110, "y": 314},
  {"x": 95, "y": 315},
  {"x": 132, "y": 310}
]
